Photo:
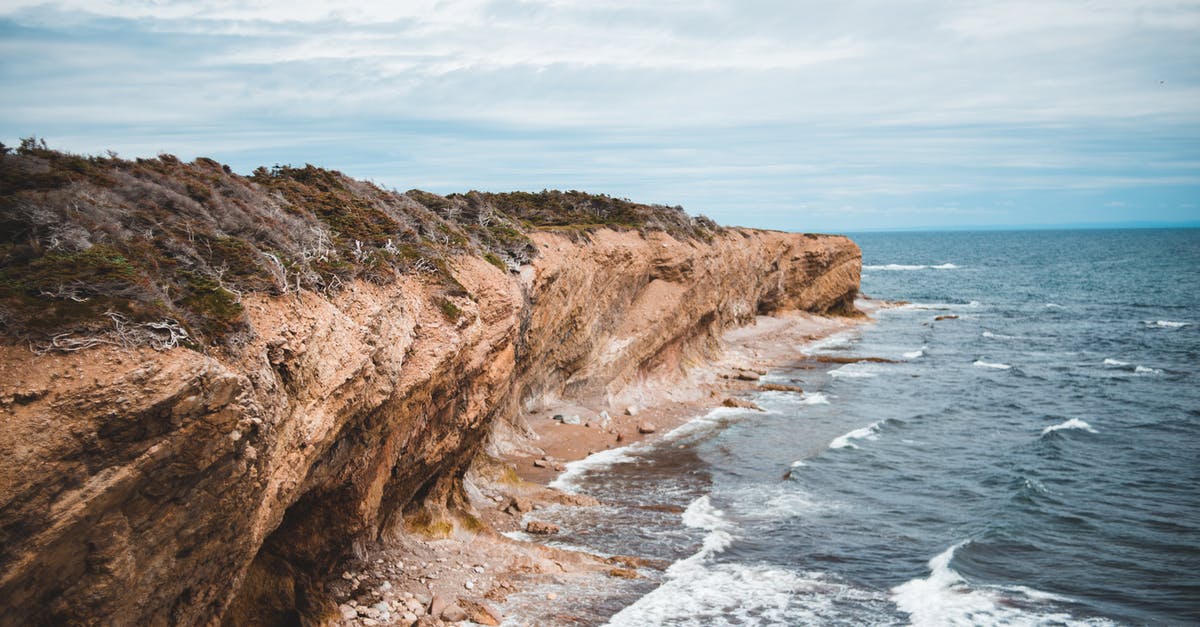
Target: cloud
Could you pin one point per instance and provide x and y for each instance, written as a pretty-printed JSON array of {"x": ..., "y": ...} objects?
[{"x": 728, "y": 106}]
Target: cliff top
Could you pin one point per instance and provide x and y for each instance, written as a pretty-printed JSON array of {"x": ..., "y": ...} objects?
[{"x": 160, "y": 252}]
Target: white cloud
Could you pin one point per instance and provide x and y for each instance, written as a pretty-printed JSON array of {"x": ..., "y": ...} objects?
[{"x": 673, "y": 101}]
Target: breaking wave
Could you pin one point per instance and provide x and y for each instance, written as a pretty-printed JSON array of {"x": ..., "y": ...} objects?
[
  {"x": 1073, "y": 423},
  {"x": 945, "y": 597},
  {"x": 898, "y": 266}
]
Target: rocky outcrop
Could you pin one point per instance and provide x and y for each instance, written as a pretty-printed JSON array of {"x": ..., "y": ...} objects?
[{"x": 179, "y": 487}]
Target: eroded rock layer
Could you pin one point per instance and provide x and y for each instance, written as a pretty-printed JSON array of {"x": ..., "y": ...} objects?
[{"x": 178, "y": 487}]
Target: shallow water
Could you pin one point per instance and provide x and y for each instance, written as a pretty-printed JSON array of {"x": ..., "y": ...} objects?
[{"x": 1034, "y": 461}]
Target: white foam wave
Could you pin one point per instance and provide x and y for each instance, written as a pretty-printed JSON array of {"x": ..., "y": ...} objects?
[
  {"x": 700, "y": 514},
  {"x": 1166, "y": 324},
  {"x": 1053, "y": 306},
  {"x": 714, "y": 419},
  {"x": 814, "y": 398},
  {"x": 899, "y": 266},
  {"x": 987, "y": 364},
  {"x": 935, "y": 306},
  {"x": 569, "y": 479},
  {"x": 698, "y": 591},
  {"x": 853, "y": 371},
  {"x": 917, "y": 354},
  {"x": 799, "y": 463},
  {"x": 999, "y": 336},
  {"x": 837, "y": 341},
  {"x": 869, "y": 432},
  {"x": 945, "y": 597},
  {"x": 1115, "y": 362},
  {"x": 1073, "y": 423},
  {"x": 1147, "y": 370}
]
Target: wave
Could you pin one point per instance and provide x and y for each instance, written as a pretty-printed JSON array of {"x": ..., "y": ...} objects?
[
  {"x": 1166, "y": 324},
  {"x": 837, "y": 341},
  {"x": 945, "y": 597},
  {"x": 1137, "y": 369},
  {"x": 935, "y": 306},
  {"x": 999, "y": 336},
  {"x": 700, "y": 591},
  {"x": 869, "y": 432},
  {"x": 987, "y": 364},
  {"x": 898, "y": 266},
  {"x": 569, "y": 479},
  {"x": 917, "y": 354},
  {"x": 814, "y": 398},
  {"x": 1073, "y": 423},
  {"x": 1053, "y": 306},
  {"x": 853, "y": 371}
]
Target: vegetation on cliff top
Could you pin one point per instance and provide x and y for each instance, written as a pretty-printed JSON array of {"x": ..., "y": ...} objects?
[{"x": 160, "y": 252}]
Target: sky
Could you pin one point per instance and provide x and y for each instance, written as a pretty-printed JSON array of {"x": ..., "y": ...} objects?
[{"x": 818, "y": 116}]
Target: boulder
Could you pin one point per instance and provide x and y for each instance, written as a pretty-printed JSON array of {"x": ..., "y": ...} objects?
[
  {"x": 454, "y": 614},
  {"x": 647, "y": 427},
  {"x": 780, "y": 387},
  {"x": 438, "y": 605},
  {"x": 540, "y": 528},
  {"x": 482, "y": 613},
  {"x": 738, "y": 402}
]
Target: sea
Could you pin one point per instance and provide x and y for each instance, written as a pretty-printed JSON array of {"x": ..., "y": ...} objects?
[{"x": 1028, "y": 454}]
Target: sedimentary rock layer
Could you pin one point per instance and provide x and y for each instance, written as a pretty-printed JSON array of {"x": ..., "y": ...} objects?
[{"x": 178, "y": 487}]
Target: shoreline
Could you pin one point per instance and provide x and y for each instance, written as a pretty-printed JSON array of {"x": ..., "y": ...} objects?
[{"x": 489, "y": 573}]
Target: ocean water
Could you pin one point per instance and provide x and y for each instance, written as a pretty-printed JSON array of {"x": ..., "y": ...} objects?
[{"x": 1034, "y": 460}]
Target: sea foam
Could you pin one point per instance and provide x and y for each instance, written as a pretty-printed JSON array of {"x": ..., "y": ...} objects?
[
  {"x": 946, "y": 598},
  {"x": 917, "y": 354},
  {"x": 869, "y": 432},
  {"x": 899, "y": 266},
  {"x": 700, "y": 590},
  {"x": 1166, "y": 324},
  {"x": 853, "y": 371},
  {"x": 1073, "y": 423},
  {"x": 987, "y": 364}
]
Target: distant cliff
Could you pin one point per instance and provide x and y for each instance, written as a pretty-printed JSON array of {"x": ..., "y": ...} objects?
[{"x": 212, "y": 385}]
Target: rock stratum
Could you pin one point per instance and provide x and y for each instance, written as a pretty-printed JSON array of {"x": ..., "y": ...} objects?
[{"x": 218, "y": 474}]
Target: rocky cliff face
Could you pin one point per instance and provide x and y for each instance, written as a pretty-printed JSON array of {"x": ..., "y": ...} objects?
[{"x": 178, "y": 487}]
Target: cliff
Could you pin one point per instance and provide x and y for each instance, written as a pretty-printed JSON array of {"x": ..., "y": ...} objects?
[{"x": 151, "y": 477}]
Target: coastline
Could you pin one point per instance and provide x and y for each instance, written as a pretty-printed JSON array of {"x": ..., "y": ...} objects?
[{"x": 497, "y": 572}]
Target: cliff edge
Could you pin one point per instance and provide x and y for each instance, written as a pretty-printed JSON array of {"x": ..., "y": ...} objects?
[{"x": 214, "y": 385}]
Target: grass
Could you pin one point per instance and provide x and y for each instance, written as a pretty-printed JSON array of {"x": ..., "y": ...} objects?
[{"x": 161, "y": 239}]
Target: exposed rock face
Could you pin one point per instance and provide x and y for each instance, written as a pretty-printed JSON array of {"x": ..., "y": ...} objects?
[{"x": 143, "y": 487}]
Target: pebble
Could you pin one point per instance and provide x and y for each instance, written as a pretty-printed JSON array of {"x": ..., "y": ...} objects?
[
  {"x": 348, "y": 613},
  {"x": 469, "y": 585},
  {"x": 551, "y": 596}
]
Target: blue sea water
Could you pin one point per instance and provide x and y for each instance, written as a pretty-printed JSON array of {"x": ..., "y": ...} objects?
[{"x": 1031, "y": 458}]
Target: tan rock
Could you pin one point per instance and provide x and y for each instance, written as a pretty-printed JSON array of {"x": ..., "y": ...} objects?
[
  {"x": 366, "y": 395},
  {"x": 540, "y": 528}
]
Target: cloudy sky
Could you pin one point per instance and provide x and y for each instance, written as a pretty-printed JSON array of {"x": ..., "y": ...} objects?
[{"x": 788, "y": 114}]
